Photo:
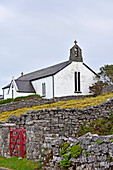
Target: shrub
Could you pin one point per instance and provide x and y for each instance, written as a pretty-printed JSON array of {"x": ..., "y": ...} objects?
[{"x": 97, "y": 88}]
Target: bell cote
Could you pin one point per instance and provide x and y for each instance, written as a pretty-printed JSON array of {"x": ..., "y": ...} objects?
[{"x": 76, "y": 53}]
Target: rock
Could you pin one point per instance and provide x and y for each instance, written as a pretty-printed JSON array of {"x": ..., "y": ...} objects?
[{"x": 12, "y": 119}]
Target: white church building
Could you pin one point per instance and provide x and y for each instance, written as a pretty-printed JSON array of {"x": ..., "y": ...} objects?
[{"x": 69, "y": 78}]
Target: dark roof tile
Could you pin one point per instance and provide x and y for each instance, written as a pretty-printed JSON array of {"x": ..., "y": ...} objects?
[
  {"x": 24, "y": 86},
  {"x": 49, "y": 71}
]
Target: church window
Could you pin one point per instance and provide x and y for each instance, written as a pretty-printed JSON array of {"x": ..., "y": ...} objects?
[
  {"x": 77, "y": 82},
  {"x": 43, "y": 89}
]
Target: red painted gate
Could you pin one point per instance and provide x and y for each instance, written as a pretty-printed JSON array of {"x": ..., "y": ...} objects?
[{"x": 18, "y": 142}]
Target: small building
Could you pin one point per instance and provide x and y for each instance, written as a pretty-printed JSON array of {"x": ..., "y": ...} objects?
[{"x": 69, "y": 78}]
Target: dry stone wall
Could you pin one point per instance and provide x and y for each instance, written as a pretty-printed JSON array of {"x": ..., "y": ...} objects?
[
  {"x": 23, "y": 103},
  {"x": 96, "y": 152},
  {"x": 48, "y": 129},
  {"x": 5, "y": 138},
  {"x": 64, "y": 122}
]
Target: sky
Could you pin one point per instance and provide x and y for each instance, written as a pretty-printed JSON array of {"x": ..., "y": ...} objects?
[{"x": 35, "y": 34}]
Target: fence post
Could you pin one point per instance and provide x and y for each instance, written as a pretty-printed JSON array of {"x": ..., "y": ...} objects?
[
  {"x": 11, "y": 131},
  {"x": 21, "y": 142}
]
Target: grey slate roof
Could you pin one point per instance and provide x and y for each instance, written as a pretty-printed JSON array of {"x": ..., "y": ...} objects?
[
  {"x": 25, "y": 86},
  {"x": 6, "y": 86},
  {"x": 49, "y": 71},
  {"x": 24, "y": 82}
]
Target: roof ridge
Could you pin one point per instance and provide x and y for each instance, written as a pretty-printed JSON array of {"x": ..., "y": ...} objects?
[{"x": 47, "y": 68}]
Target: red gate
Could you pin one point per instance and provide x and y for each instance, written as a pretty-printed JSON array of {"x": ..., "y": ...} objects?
[{"x": 17, "y": 142}]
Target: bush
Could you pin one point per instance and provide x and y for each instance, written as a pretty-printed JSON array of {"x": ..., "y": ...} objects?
[
  {"x": 104, "y": 78},
  {"x": 97, "y": 88}
]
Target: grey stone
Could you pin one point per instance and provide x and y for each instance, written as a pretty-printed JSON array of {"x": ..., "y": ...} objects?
[
  {"x": 2, "y": 122},
  {"x": 90, "y": 159}
]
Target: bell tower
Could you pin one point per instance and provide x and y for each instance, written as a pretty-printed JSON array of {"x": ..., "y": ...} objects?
[{"x": 76, "y": 53}]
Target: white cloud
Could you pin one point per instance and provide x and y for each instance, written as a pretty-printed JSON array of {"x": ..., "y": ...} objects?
[{"x": 5, "y": 13}]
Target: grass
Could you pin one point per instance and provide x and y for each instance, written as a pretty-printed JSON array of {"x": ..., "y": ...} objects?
[
  {"x": 18, "y": 164},
  {"x": 78, "y": 103},
  {"x": 5, "y": 101}
]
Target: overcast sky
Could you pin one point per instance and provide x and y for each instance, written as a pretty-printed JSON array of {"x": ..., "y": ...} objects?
[{"x": 35, "y": 34}]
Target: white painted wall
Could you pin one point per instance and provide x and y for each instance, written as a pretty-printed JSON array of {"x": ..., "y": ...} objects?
[
  {"x": 65, "y": 80},
  {"x": 16, "y": 94},
  {"x": 37, "y": 84},
  {"x": 8, "y": 92}
]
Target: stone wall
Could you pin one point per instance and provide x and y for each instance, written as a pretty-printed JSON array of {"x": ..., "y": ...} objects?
[
  {"x": 5, "y": 138},
  {"x": 48, "y": 129},
  {"x": 96, "y": 152},
  {"x": 23, "y": 103},
  {"x": 65, "y": 122}
]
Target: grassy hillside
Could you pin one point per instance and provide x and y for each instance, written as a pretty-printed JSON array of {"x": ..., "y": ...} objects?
[{"x": 78, "y": 103}]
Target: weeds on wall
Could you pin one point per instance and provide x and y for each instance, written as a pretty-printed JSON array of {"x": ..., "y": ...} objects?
[
  {"x": 68, "y": 152},
  {"x": 100, "y": 127}
]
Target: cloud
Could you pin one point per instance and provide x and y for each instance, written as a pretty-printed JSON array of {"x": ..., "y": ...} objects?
[{"x": 5, "y": 13}]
